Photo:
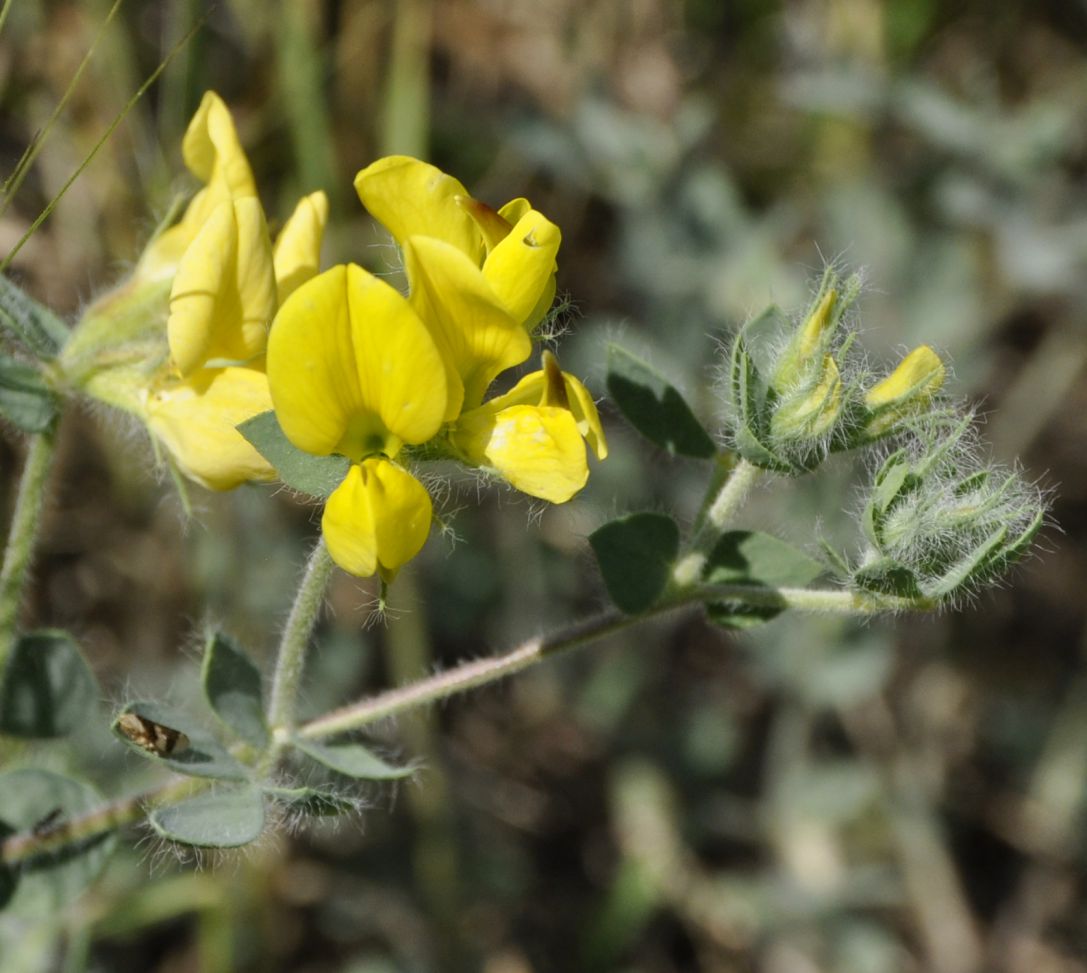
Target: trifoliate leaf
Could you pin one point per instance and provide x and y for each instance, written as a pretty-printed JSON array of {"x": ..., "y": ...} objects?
[
  {"x": 32, "y": 326},
  {"x": 316, "y": 476},
  {"x": 232, "y": 686},
  {"x": 655, "y": 407},
  {"x": 160, "y": 733},
  {"x": 353, "y": 760},
  {"x": 743, "y": 557},
  {"x": 41, "y": 802},
  {"x": 25, "y": 400},
  {"x": 636, "y": 555},
  {"x": 47, "y": 689},
  {"x": 227, "y": 818}
]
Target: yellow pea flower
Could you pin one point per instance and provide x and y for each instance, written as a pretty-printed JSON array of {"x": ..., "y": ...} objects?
[
  {"x": 222, "y": 302},
  {"x": 514, "y": 247},
  {"x": 214, "y": 155},
  {"x": 353, "y": 370},
  {"x": 535, "y": 435},
  {"x": 907, "y": 391}
]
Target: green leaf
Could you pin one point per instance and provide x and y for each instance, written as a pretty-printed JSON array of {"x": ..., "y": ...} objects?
[
  {"x": 749, "y": 391},
  {"x": 310, "y": 801},
  {"x": 233, "y": 688},
  {"x": 31, "y": 325},
  {"x": 655, "y": 407},
  {"x": 353, "y": 760},
  {"x": 38, "y": 799},
  {"x": 9, "y": 879},
  {"x": 887, "y": 576},
  {"x": 316, "y": 476},
  {"x": 743, "y": 557},
  {"x": 227, "y": 818},
  {"x": 198, "y": 755},
  {"x": 25, "y": 400},
  {"x": 47, "y": 689},
  {"x": 636, "y": 555}
]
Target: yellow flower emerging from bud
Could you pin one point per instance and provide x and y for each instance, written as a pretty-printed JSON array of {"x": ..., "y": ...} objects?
[
  {"x": 354, "y": 371},
  {"x": 919, "y": 375},
  {"x": 907, "y": 391},
  {"x": 810, "y": 414}
]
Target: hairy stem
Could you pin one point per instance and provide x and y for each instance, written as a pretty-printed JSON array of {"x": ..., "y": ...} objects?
[
  {"x": 25, "y": 523},
  {"x": 83, "y": 828},
  {"x": 482, "y": 672},
  {"x": 296, "y": 634},
  {"x": 721, "y": 504}
]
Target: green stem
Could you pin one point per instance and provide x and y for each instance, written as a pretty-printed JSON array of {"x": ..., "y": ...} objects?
[
  {"x": 25, "y": 522},
  {"x": 732, "y": 494},
  {"x": 24, "y": 846},
  {"x": 716, "y": 513},
  {"x": 296, "y": 634},
  {"x": 482, "y": 672},
  {"x": 469, "y": 675}
]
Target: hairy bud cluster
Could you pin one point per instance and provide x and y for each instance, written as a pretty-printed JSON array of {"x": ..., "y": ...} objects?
[
  {"x": 795, "y": 394},
  {"x": 939, "y": 522}
]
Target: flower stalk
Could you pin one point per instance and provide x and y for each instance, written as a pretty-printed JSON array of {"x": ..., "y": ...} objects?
[
  {"x": 296, "y": 634},
  {"x": 25, "y": 523}
]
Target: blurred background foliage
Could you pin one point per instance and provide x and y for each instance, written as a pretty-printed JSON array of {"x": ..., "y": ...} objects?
[{"x": 818, "y": 795}]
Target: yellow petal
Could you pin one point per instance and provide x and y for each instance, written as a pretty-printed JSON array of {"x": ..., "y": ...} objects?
[
  {"x": 297, "y": 252},
  {"x": 224, "y": 294},
  {"x": 585, "y": 415},
  {"x": 377, "y": 519},
  {"x": 514, "y": 210},
  {"x": 214, "y": 155},
  {"x": 195, "y": 420},
  {"x": 536, "y": 389},
  {"x": 212, "y": 151},
  {"x": 411, "y": 198},
  {"x": 475, "y": 332},
  {"x": 521, "y": 268},
  {"x": 538, "y": 449},
  {"x": 493, "y": 226},
  {"x": 352, "y": 368},
  {"x": 918, "y": 375}
]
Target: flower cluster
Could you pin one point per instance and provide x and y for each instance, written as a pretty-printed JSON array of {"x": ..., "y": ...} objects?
[
  {"x": 351, "y": 366},
  {"x": 360, "y": 370}
]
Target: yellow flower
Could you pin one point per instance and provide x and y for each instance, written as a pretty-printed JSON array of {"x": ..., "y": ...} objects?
[
  {"x": 214, "y": 155},
  {"x": 906, "y": 392},
  {"x": 222, "y": 302},
  {"x": 354, "y": 371},
  {"x": 535, "y": 435},
  {"x": 514, "y": 247}
]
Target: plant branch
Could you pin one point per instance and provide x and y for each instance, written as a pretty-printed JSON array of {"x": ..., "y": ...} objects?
[
  {"x": 24, "y": 846},
  {"x": 296, "y": 635},
  {"x": 25, "y": 522},
  {"x": 482, "y": 672}
]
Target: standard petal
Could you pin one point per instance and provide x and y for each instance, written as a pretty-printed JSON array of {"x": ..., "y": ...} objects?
[
  {"x": 195, "y": 420},
  {"x": 214, "y": 155},
  {"x": 521, "y": 268},
  {"x": 377, "y": 519},
  {"x": 212, "y": 151},
  {"x": 223, "y": 296},
  {"x": 297, "y": 252},
  {"x": 538, "y": 449},
  {"x": 352, "y": 368},
  {"x": 412, "y": 198},
  {"x": 477, "y": 335}
]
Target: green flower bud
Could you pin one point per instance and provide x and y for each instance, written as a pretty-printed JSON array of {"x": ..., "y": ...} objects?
[{"x": 938, "y": 525}]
